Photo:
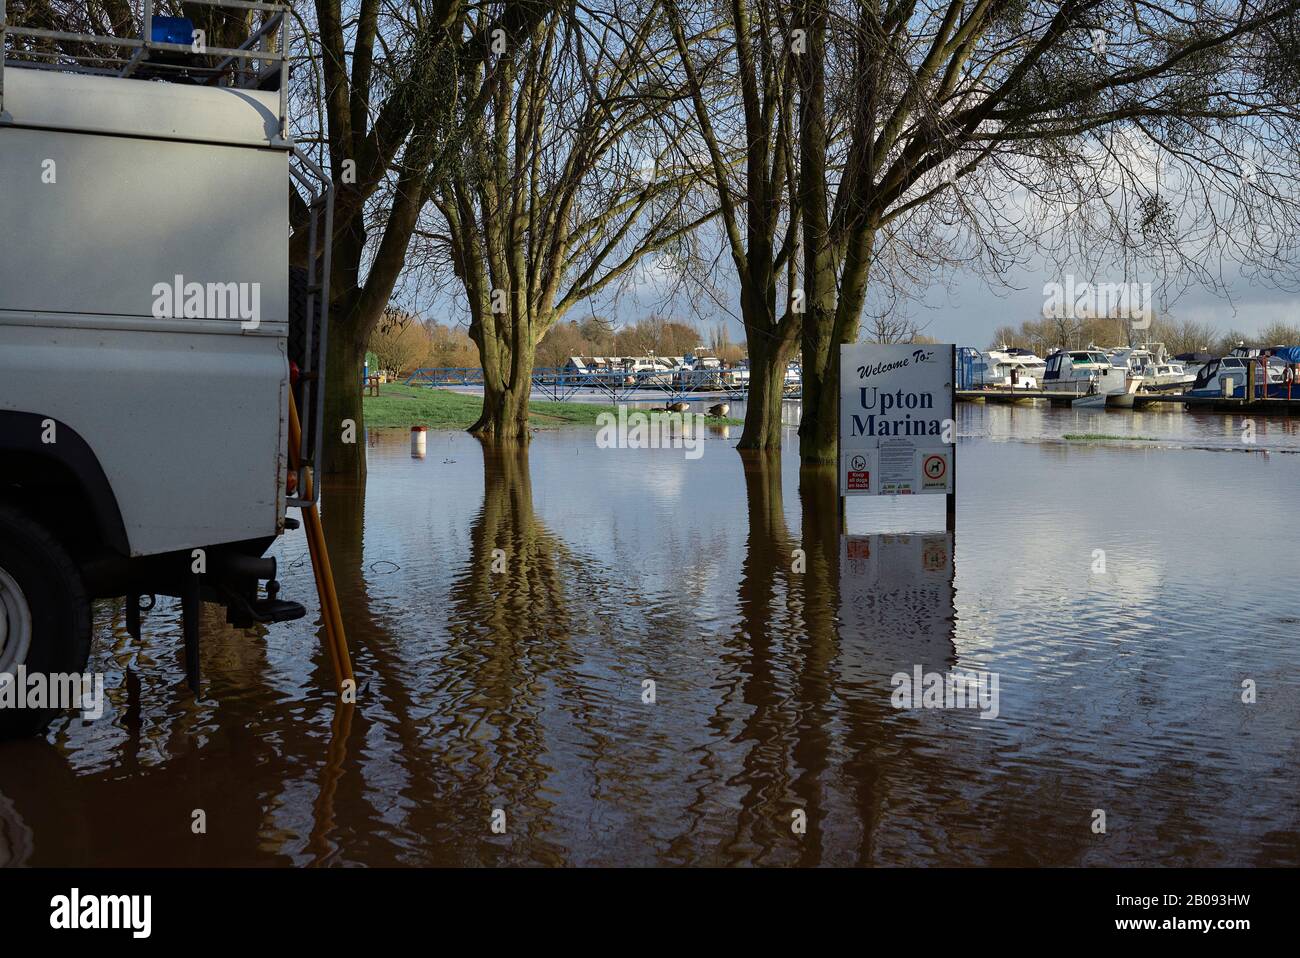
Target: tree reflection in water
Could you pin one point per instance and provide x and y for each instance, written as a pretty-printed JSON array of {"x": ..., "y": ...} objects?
[{"x": 502, "y": 632}]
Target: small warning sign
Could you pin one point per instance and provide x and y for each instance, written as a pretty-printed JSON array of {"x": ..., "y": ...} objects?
[
  {"x": 934, "y": 555},
  {"x": 934, "y": 471},
  {"x": 857, "y": 473}
]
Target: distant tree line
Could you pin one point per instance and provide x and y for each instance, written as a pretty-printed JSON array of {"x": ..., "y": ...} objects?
[
  {"x": 403, "y": 341},
  {"x": 1179, "y": 336}
]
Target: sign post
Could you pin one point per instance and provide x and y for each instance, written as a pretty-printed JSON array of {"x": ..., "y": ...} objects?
[{"x": 898, "y": 422}]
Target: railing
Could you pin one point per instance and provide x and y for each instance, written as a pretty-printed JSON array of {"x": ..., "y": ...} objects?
[
  {"x": 446, "y": 376},
  {"x": 249, "y": 66},
  {"x": 562, "y": 383}
]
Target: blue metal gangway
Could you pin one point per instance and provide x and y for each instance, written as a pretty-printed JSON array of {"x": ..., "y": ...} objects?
[{"x": 619, "y": 385}]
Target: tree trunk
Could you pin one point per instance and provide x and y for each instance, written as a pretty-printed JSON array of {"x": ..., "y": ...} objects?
[
  {"x": 767, "y": 364},
  {"x": 505, "y": 412},
  {"x": 505, "y": 415},
  {"x": 819, "y": 424},
  {"x": 818, "y": 427},
  {"x": 834, "y": 327},
  {"x": 343, "y": 405}
]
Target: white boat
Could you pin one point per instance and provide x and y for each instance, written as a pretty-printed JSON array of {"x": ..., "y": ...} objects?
[
  {"x": 1013, "y": 367},
  {"x": 708, "y": 372},
  {"x": 1168, "y": 376},
  {"x": 629, "y": 370},
  {"x": 1089, "y": 375},
  {"x": 1150, "y": 365},
  {"x": 649, "y": 370}
]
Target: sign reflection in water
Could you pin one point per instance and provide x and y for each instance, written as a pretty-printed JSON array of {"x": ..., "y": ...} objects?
[{"x": 522, "y": 689}]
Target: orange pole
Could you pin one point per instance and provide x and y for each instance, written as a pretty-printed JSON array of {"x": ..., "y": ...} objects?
[
  {"x": 312, "y": 529},
  {"x": 336, "y": 643},
  {"x": 330, "y": 598}
]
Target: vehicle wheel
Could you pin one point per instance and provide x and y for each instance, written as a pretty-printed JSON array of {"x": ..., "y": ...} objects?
[{"x": 44, "y": 613}]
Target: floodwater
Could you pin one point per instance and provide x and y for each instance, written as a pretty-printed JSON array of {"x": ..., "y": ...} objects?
[{"x": 1121, "y": 592}]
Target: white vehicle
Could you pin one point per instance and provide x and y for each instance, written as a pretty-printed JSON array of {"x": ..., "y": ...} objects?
[
  {"x": 1088, "y": 375},
  {"x": 148, "y": 321}
]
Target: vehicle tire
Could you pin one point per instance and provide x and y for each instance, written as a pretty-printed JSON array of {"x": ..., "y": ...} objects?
[{"x": 44, "y": 613}]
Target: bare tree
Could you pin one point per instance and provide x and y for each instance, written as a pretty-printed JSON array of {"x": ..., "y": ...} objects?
[
  {"x": 382, "y": 105},
  {"x": 890, "y": 327},
  {"x": 1280, "y": 334},
  {"x": 742, "y": 90},
  {"x": 564, "y": 185},
  {"x": 1161, "y": 134},
  {"x": 400, "y": 341}
]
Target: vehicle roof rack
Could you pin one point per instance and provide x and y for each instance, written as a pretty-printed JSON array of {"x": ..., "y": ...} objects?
[{"x": 259, "y": 62}]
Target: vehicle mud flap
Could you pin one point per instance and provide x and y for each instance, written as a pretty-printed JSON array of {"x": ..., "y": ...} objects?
[
  {"x": 133, "y": 616},
  {"x": 191, "y": 613}
]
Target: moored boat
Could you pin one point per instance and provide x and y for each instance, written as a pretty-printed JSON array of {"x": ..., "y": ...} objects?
[
  {"x": 1227, "y": 377},
  {"x": 1149, "y": 364},
  {"x": 1088, "y": 375},
  {"x": 1013, "y": 367}
]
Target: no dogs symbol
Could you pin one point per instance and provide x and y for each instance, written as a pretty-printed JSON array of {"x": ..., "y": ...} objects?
[{"x": 934, "y": 467}]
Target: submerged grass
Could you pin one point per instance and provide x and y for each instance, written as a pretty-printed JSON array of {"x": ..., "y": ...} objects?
[
  {"x": 399, "y": 406},
  {"x": 1105, "y": 436}
]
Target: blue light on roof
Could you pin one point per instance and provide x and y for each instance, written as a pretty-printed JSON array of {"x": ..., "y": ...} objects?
[{"x": 173, "y": 30}]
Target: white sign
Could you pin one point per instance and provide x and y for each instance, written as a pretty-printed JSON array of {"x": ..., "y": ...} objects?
[{"x": 896, "y": 409}]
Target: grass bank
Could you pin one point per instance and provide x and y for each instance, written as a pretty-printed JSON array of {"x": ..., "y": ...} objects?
[{"x": 401, "y": 407}]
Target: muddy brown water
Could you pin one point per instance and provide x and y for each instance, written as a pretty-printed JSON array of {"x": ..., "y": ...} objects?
[{"x": 524, "y": 690}]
